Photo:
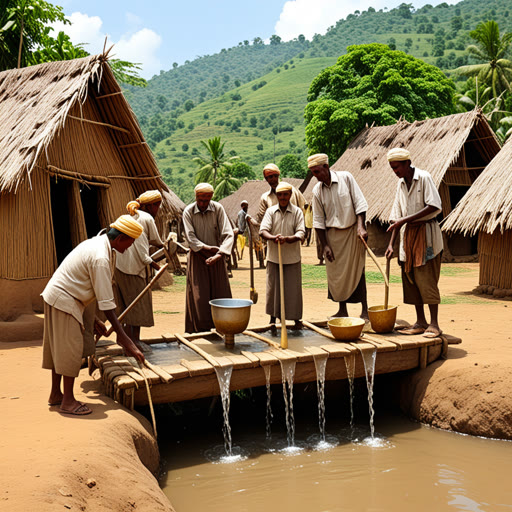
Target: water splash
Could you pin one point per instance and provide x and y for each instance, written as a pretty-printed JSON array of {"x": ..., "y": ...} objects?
[
  {"x": 288, "y": 373},
  {"x": 369, "y": 358},
  {"x": 224, "y": 378},
  {"x": 350, "y": 363},
  {"x": 269, "y": 416},
  {"x": 320, "y": 364}
]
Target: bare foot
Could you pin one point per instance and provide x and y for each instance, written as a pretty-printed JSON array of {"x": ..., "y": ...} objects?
[
  {"x": 432, "y": 331},
  {"x": 55, "y": 398}
]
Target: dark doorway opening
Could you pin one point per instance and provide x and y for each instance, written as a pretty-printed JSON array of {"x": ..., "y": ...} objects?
[
  {"x": 89, "y": 198},
  {"x": 459, "y": 244},
  {"x": 60, "y": 191}
]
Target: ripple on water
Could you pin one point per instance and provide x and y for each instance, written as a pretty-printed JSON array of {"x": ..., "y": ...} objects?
[{"x": 217, "y": 455}]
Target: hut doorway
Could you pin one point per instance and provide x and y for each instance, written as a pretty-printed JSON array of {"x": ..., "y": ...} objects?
[
  {"x": 74, "y": 214},
  {"x": 458, "y": 244}
]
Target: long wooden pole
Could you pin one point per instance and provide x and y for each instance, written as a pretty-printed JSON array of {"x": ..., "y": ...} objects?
[
  {"x": 284, "y": 333},
  {"x": 198, "y": 350},
  {"x": 386, "y": 292},
  {"x": 374, "y": 258},
  {"x": 141, "y": 294}
]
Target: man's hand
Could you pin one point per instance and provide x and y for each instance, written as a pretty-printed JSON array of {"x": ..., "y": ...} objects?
[
  {"x": 362, "y": 233},
  {"x": 389, "y": 252},
  {"x": 212, "y": 260},
  {"x": 130, "y": 347},
  {"x": 155, "y": 265},
  {"x": 396, "y": 225},
  {"x": 99, "y": 328},
  {"x": 280, "y": 239},
  {"x": 210, "y": 249},
  {"x": 328, "y": 254}
]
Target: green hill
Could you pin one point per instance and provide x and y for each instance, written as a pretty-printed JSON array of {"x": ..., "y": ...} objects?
[{"x": 248, "y": 93}]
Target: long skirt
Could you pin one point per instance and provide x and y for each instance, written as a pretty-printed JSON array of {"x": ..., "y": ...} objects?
[
  {"x": 344, "y": 273},
  {"x": 204, "y": 283},
  {"x": 127, "y": 288},
  {"x": 292, "y": 291}
]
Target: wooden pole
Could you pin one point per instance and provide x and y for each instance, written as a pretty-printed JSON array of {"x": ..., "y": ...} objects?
[
  {"x": 198, "y": 350},
  {"x": 273, "y": 344},
  {"x": 284, "y": 333},
  {"x": 386, "y": 292},
  {"x": 141, "y": 294},
  {"x": 374, "y": 258}
]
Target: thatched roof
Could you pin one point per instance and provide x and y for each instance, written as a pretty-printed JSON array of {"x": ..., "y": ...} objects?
[
  {"x": 487, "y": 206},
  {"x": 251, "y": 191},
  {"x": 435, "y": 146},
  {"x": 35, "y": 103}
]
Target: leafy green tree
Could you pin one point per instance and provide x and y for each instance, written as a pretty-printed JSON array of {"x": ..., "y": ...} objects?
[
  {"x": 211, "y": 164},
  {"x": 490, "y": 49},
  {"x": 226, "y": 185},
  {"x": 275, "y": 39},
  {"x": 291, "y": 167},
  {"x": 372, "y": 84},
  {"x": 242, "y": 171}
]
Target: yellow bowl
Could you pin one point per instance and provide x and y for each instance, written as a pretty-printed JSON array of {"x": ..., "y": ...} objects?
[
  {"x": 382, "y": 320},
  {"x": 347, "y": 328}
]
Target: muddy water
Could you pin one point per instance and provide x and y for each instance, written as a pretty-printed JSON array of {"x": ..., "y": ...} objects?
[{"x": 408, "y": 467}]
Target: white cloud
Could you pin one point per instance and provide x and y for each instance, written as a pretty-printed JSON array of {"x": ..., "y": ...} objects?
[
  {"x": 310, "y": 17},
  {"x": 138, "y": 47}
]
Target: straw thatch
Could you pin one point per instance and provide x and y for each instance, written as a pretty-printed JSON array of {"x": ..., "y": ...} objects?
[
  {"x": 487, "y": 206},
  {"x": 66, "y": 123},
  {"x": 454, "y": 149},
  {"x": 251, "y": 191}
]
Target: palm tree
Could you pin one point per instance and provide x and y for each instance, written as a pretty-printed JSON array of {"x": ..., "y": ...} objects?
[
  {"x": 494, "y": 70},
  {"x": 210, "y": 165},
  {"x": 227, "y": 184}
]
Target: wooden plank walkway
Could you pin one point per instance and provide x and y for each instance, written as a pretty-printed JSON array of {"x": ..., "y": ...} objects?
[{"x": 182, "y": 367}]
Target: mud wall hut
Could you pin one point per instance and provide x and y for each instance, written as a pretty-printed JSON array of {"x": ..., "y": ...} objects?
[
  {"x": 486, "y": 210},
  {"x": 455, "y": 150},
  {"x": 71, "y": 156}
]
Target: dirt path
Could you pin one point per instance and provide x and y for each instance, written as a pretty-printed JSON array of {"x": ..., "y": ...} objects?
[{"x": 48, "y": 459}]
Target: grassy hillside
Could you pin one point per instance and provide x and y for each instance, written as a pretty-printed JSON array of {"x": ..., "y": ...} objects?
[{"x": 245, "y": 124}]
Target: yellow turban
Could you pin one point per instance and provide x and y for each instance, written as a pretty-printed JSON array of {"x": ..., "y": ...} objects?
[
  {"x": 125, "y": 224},
  {"x": 270, "y": 169},
  {"x": 283, "y": 186},
  {"x": 398, "y": 155},
  {"x": 203, "y": 188},
  {"x": 318, "y": 159},
  {"x": 148, "y": 197}
]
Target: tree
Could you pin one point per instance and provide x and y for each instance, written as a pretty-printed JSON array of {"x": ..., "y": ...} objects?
[
  {"x": 213, "y": 162},
  {"x": 275, "y": 39},
  {"x": 227, "y": 184},
  {"x": 291, "y": 167},
  {"x": 188, "y": 105},
  {"x": 242, "y": 171},
  {"x": 371, "y": 84},
  {"x": 490, "y": 49}
]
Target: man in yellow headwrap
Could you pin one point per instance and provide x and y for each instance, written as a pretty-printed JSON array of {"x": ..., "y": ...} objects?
[
  {"x": 283, "y": 224},
  {"x": 339, "y": 216},
  {"x": 271, "y": 174},
  {"x": 84, "y": 276},
  {"x": 417, "y": 204},
  {"x": 210, "y": 237},
  {"x": 133, "y": 266}
]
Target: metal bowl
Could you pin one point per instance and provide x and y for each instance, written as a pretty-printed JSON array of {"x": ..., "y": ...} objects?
[
  {"x": 382, "y": 320},
  {"x": 231, "y": 316},
  {"x": 346, "y": 328}
]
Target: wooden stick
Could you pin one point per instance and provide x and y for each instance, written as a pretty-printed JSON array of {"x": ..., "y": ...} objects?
[
  {"x": 386, "y": 291},
  {"x": 141, "y": 294},
  {"x": 317, "y": 329},
  {"x": 139, "y": 370},
  {"x": 374, "y": 258},
  {"x": 284, "y": 332},
  {"x": 118, "y": 128},
  {"x": 273, "y": 344},
  {"x": 198, "y": 350},
  {"x": 108, "y": 95}
]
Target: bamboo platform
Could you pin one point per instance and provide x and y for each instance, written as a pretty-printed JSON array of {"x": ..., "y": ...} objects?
[{"x": 182, "y": 367}]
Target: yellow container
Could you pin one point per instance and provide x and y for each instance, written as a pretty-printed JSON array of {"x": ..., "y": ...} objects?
[
  {"x": 347, "y": 328},
  {"x": 382, "y": 320}
]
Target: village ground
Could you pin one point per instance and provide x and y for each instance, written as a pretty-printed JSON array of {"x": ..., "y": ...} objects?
[{"x": 105, "y": 461}]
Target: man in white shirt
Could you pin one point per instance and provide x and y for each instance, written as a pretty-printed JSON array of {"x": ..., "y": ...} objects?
[
  {"x": 339, "y": 217},
  {"x": 417, "y": 204},
  {"x": 210, "y": 237},
  {"x": 85, "y": 275},
  {"x": 132, "y": 267},
  {"x": 284, "y": 224}
]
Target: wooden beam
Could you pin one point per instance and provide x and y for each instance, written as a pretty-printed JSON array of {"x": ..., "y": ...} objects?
[
  {"x": 98, "y": 123},
  {"x": 103, "y": 96},
  {"x": 131, "y": 145},
  {"x": 86, "y": 179}
]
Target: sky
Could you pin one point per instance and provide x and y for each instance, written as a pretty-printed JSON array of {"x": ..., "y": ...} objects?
[{"x": 157, "y": 33}]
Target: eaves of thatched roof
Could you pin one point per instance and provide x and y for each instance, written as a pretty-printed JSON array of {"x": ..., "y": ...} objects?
[
  {"x": 35, "y": 103},
  {"x": 487, "y": 205},
  {"x": 251, "y": 191},
  {"x": 435, "y": 145}
]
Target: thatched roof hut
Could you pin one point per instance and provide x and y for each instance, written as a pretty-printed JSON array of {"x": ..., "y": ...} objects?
[
  {"x": 455, "y": 150},
  {"x": 486, "y": 210},
  {"x": 251, "y": 191},
  {"x": 71, "y": 156}
]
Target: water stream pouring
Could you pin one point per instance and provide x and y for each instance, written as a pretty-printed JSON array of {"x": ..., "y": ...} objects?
[
  {"x": 369, "y": 356},
  {"x": 224, "y": 378},
  {"x": 320, "y": 364},
  {"x": 288, "y": 373},
  {"x": 350, "y": 363},
  {"x": 268, "y": 432}
]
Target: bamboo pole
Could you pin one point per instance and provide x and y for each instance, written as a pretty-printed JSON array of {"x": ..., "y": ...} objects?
[
  {"x": 319, "y": 330},
  {"x": 273, "y": 344},
  {"x": 99, "y": 123},
  {"x": 284, "y": 332},
  {"x": 374, "y": 258},
  {"x": 198, "y": 350},
  {"x": 386, "y": 290}
]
